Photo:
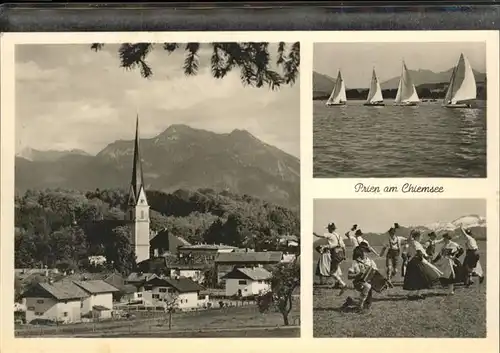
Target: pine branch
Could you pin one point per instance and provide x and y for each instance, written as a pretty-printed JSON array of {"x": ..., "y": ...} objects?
[{"x": 191, "y": 62}]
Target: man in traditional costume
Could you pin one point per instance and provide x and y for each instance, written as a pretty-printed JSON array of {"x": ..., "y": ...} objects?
[
  {"x": 360, "y": 264},
  {"x": 430, "y": 245},
  {"x": 393, "y": 249},
  {"x": 337, "y": 250},
  {"x": 357, "y": 239},
  {"x": 471, "y": 261}
]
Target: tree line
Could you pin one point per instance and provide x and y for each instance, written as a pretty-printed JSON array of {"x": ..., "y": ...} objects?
[{"x": 62, "y": 228}]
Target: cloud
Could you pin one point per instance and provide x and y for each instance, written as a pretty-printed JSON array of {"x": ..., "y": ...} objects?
[{"x": 68, "y": 96}]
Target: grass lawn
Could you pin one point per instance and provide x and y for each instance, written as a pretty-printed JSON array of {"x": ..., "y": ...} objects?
[
  {"x": 244, "y": 321},
  {"x": 392, "y": 315}
]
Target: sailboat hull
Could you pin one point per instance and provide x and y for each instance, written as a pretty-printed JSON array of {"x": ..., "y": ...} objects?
[
  {"x": 375, "y": 104},
  {"x": 409, "y": 104},
  {"x": 335, "y": 104},
  {"x": 458, "y": 106}
]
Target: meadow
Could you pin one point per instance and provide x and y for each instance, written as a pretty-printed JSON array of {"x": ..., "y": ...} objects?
[
  {"x": 393, "y": 315},
  {"x": 244, "y": 321}
]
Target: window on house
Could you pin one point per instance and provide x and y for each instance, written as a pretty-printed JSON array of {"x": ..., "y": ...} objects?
[
  {"x": 38, "y": 314},
  {"x": 163, "y": 290},
  {"x": 260, "y": 281},
  {"x": 65, "y": 313},
  {"x": 81, "y": 305},
  {"x": 155, "y": 296},
  {"x": 139, "y": 295},
  {"x": 242, "y": 281},
  {"x": 39, "y": 301},
  {"x": 31, "y": 308}
]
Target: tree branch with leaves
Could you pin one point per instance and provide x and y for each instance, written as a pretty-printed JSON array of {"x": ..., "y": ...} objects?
[{"x": 252, "y": 59}]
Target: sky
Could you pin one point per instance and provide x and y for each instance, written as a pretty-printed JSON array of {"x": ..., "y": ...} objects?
[
  {"x": 70, "y": 97},
  {"x": 356, "y": 60},
  {"x": 378, "y": 215}
]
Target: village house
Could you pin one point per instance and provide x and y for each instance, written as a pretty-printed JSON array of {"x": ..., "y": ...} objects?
[
  {"x": 162, "y": 291},
  {"x": 138, "y": 279},
  {"x": 225, "y": 262},
  {"x": 68, "y": 301},
  {"x": 196, "y": 272},
  {"x": 129, "y": 294},
  {"x": 99, "y": 300},
  {"x": 244, "y": 282},
  {"x": 58, "y": 302},
  {"x": 164, "y": 243}
]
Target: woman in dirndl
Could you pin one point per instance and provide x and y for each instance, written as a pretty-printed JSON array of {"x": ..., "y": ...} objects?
[
  {"x": 420, "y": 273},
  {"x": 324, "y": 263},
  {"x": 447, "y": 261}
]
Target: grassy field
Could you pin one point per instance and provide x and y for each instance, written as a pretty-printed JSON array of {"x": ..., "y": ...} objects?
[
  {"x": 393, "y": 315},
  {"x": 243, "y": 321}
]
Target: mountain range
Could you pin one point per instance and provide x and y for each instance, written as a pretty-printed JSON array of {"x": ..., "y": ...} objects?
[
  {"x": 323, "y": 84},
  {"x": 476, "y": 223},
  {"x": 179, "y": 157}
]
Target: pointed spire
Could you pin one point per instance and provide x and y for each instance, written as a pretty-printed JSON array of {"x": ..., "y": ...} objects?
[{"x": 137, "y": 174}]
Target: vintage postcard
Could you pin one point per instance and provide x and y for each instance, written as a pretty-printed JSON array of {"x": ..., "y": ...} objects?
[{"x": 165, "y": 186}]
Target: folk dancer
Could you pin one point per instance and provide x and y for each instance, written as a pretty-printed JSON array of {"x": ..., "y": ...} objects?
[
  {"x": 447, "y": 262},
  {"x": 430, "y": 245},
  {"x": 357, "y": 239},
  {"x": 323, "y": 268},
  {"x": 337, "y": 250},
  {"x": 471, "y": 261},
  {"x": 394, "y": 246},
  {"x": 420, "y": 273},
  {"x": 360, "y": 264},
  {"x": 350, "y": 233}
]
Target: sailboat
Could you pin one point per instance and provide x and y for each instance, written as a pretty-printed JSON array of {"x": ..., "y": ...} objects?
[
  {"x": 407, "y": 94},
  {"x": 462, "y": 88},
  {"x": 338, "y": 96},
  {"x": 375, "y": 98}
]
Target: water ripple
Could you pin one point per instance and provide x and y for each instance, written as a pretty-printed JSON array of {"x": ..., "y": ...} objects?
[{"x": 423, "y": 141}]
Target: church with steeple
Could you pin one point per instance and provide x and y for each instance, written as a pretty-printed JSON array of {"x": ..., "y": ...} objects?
[{"x": 138, "y": 209}]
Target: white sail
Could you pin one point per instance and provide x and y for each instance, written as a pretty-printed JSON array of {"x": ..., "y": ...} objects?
[
  {"x": 462, "y": 85},
  {"x": 406, "y": 90},
  {"x": 449, "y": 91},
  {"x": 338, "y": 95},
  {"x": 375, "y": 93}
]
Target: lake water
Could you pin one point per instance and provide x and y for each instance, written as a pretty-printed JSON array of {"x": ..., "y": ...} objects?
[{"x": 423, "y": 141}]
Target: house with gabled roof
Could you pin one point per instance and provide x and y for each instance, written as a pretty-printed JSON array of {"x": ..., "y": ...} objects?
[
  {"x": 68, "y": 301},
  {"x": 58, "y": 302},
  {"x": 244, "y": 282},
  {"x": 226, "y": 262},
  {"x": 161, "y": 291},
  {"x": 99, "y": 300}
]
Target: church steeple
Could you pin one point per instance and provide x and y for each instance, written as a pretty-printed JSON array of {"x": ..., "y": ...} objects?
[
  {"x": 138, "y": 208},
  {"x": 137, "y": 182}
]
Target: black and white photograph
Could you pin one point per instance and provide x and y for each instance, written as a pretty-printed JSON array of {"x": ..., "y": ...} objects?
[
  {"x": 157, "y": 190},
  {"x": 400, "y": 268},
  {"x": 393, "y": 110}
]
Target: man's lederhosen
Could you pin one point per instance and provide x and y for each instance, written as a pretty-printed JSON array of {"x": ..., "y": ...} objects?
[{"x": 392, "y": 257}]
